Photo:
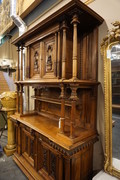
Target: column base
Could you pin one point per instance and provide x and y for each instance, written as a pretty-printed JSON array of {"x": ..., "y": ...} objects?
[
  {"x": 9, "y": 152},
  {"x": 74, "y": 79}
]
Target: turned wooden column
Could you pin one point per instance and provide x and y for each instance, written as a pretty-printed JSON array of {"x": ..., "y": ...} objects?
[
  {"x": 64, "y": 51},
  {"x": 73, "y": 99},
  {"x": 18, "y": 68},
  {"x": 62, "y": 118},
  {"x": 21, "y": 99},
  {"x": 28, "y": 63},
  {"x": 17, "y": 99},
  {"x": 74, "y": 22},
  {"x": 58, "y": 56},
  {"x": 55, "y": 62},
  {"x": 21, "y": 70}
]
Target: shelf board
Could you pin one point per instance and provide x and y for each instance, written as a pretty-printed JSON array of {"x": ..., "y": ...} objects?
[
  {"x": 116, "y": 85},
  {"x": 115, "y": 94},
  {"x": 115, "y": 71},
  {"x": 53, "y": 100},
  {"x": 115, "y": 78},
  {"x": 116, "y": 106},
  {"x": 50, "y": 129},
  {"x": 58, "y": 82}
]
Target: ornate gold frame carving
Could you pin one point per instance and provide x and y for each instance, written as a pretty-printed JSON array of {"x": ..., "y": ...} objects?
[
  {"x": 88, "y": 1},
  {"x": 110, "y": 40}
]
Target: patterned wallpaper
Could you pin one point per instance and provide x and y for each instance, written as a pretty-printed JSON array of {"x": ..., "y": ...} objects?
[
  {"x": 5, "y": 20},
  {"x": 23, "y": 6}
]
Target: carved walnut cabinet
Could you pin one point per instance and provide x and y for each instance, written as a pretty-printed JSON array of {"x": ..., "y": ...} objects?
[{"x": 55, "y": 141}]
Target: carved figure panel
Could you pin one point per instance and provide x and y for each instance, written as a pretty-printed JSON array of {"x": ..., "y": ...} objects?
[
  {"x": 49, "y": 58},
  {"x": 50, "y": 51},
  {"x": 35, "y": 60},
  {"x": 36, "y": 63}
]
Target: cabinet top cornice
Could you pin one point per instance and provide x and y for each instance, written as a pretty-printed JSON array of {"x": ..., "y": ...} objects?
[{"x": 87, "y": 18}]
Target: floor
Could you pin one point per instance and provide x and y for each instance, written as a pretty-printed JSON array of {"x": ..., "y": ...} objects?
[
  {"x": 104, "y": 176},
  {"x": 8, "y": 168}
]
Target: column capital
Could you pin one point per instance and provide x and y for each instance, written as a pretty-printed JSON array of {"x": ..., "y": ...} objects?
[
  {"x": 18, "y": 48},
  {"x": 64, "y": 25},
  {"x": 62, "y": 95},
  {"x": 73, "y": 96},
  {"x": 22, "y": 47},
  {"x": 75, "y": 19}
]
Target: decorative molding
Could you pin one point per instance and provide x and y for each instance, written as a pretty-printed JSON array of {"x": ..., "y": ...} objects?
[{"x": 74, "y": 150}]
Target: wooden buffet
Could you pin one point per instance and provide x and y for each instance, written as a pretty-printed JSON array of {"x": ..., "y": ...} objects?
[{"x": 56, "y": 140}]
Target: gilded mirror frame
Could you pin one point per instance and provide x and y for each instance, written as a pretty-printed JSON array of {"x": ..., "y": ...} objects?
[{"x": 112, "y": 39}]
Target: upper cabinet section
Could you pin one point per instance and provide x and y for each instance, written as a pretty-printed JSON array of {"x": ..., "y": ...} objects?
[{"x": 62, "y": 45}]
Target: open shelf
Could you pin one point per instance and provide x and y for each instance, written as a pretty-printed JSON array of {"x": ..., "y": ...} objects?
[{"x": 53, "y": 100}]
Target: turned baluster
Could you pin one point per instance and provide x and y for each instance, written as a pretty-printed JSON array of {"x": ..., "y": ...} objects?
[
  {"x": 62, "y": 119},
  {"x": 21, "y": 99},
  {"x": 73, "y": 99},
  {"x": 17, "y": 99},
  {"x": 74, "y": 22}
]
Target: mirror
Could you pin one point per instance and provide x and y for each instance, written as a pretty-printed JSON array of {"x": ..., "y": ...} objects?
[
  {"x": 115, "y": 80},
  {"x": 110, "y": 49}
]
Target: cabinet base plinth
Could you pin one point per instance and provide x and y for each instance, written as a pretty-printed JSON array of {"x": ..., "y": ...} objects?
[
  {"x": 26, "y": 168},
  {"x": 9, "y": 152}
]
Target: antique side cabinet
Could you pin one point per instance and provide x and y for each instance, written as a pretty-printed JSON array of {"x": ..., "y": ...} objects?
[{"x": 55, "y": 141}]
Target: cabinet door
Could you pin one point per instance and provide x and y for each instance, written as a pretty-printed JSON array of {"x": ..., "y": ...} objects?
[
  {"x": 28, "y": 145},
  {"x": 49, "y": 162}
]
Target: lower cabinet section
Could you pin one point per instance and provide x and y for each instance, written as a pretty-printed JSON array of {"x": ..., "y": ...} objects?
[{"x": 41, "y": 158}]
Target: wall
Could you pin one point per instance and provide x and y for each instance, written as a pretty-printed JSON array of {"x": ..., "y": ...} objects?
[{"x": 108, "y": 9}]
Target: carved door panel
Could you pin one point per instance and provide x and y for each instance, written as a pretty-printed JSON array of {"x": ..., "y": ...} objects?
[
  {"x": 49, "y": 161},
  {"x": 28, "y": 145}
]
